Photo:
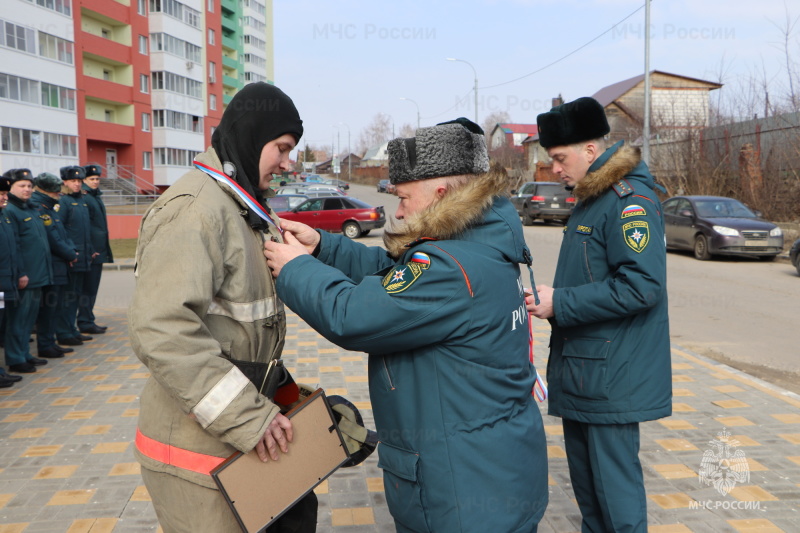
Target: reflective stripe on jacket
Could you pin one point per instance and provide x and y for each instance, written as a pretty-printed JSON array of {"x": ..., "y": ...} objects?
[{"x": 204, "y": 296}]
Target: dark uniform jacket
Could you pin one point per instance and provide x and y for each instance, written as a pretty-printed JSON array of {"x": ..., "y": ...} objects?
[
  {"x": 62, "y": 249},
  {"x": 99, "y": 227},
  {"x": 33, "y": 249},
  {"x": 75, "y": 215},
  {"x": 609, "y": 351},
  {"x": 444, "y": 322},
  {"x": 9, "y": 260}
]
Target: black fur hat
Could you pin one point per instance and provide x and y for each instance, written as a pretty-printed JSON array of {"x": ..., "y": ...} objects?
[
  {"x": 451, "y": 148},
  {"x": 73, "y": 172},
  {"x": 93, "y": 170},
  {"x": 580, "y": 120},
  {"x": 16, "y": 174}
]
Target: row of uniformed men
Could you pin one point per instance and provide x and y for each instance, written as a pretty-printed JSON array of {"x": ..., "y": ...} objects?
[{"x": 52, "y": 250}]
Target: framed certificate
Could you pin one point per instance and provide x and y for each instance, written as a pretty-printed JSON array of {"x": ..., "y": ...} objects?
[{"x": 259, "y": 493}]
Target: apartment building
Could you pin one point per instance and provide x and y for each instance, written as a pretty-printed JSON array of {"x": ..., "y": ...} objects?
[{"x": 137, "y": 86}]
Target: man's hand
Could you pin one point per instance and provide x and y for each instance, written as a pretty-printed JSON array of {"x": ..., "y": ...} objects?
[
  {"x": 22, "y": 282},
  {"x": 278, "y": 254},
  {"x": 278, "y": 435},
  {"x": 545, "y": 307},
  {"x": 306, "y": 235}
]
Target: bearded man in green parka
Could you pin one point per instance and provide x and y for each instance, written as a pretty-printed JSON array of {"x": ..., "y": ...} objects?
[
  {"x": 443, "y": 318},
  {"x": 609, "y": 365}
]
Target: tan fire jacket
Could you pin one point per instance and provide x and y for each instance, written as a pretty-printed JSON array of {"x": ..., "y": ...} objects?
[{"x": 203, "y": 296}]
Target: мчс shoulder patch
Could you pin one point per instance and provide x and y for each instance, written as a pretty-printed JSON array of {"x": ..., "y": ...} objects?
[
  {"x": 633, "y": 211},
  {"x": 402, "y": 277},
  {"x": 636, "y": 234}
]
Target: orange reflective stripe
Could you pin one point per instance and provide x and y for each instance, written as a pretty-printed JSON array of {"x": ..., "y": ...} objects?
[{"x": 170, "y": 455}]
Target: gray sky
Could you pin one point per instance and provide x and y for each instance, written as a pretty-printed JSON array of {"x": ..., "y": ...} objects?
[{"x": 346, "y": 61}]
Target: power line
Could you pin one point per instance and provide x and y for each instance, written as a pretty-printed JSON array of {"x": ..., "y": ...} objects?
[{"x": 567, "y": 55}]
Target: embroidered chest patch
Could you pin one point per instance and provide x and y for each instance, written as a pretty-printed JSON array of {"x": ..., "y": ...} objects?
[
  {"x": 585, "y": 230},
  {"x": 636, "y": 234},
  {"x": 402, "y": 277},
  {"x": 633, "y": 211}
]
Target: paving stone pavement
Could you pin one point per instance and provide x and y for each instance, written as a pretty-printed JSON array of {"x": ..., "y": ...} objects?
[{"x": 66, "y": 461}]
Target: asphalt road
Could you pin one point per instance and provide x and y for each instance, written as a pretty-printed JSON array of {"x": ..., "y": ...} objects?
[{"x": 738, "y": 311}]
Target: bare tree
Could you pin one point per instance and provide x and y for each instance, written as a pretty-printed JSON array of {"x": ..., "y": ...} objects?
[
  {"x": 377, "y": 132},
  {"x": 494, "y": 118}
]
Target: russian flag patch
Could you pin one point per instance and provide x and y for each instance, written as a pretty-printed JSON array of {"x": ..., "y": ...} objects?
[
  {"x": 633, "y": 211},
  {"x": 419, "y": 257}
]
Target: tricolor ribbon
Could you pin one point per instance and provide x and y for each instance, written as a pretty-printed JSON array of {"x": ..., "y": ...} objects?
[
  {"x": 541, "y": 392},
  {"x": 240, "y": 192}
]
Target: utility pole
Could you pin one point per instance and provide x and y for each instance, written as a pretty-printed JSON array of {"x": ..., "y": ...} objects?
[
  {"x": 413, "y": 102},
  {"x": 475, "y": 73}
]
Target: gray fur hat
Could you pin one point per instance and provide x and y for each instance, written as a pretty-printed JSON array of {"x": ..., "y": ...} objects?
[{"x": 451, "y": 148}]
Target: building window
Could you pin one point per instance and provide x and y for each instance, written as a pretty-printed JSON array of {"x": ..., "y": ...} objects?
[
  {"x": 37, "y": 142},
  {"x": 18, "y": 37},
  {"x": 107, "y": 75},
  {"x": 212, "y": 72},
  {"x": 105, "y": 33},
  {"x": 141, "y": 7},
  {"x": 212, "y": 101},
  {"x": 145, "y": 121},
  {"x": 144, "y": 83},
  {"x": 211, "y": 6},
  {"x": 109, "y": 115},
  {"x": 212, "y": 36},
  {"x": 56, "y": 48},
  {"x": 147, "y": 160},
  {"x": 143, "y": 45},
  {"x": 61, "y": 6}
]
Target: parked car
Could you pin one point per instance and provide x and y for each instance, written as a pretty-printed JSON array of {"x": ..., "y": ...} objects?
[
  {"x": 286, "y": 202},
  {"x": 715, "y": 225},
  {"x": 313, "y": 178},
  {"x": 544, "y": 200},
  {"x": 348, "y": 215},
  {"x": 794, "y": 255},
  {"x": 382, "y": 184},
  {"x": 391, "y": 188},
  {"x": 341, "y": 184}
]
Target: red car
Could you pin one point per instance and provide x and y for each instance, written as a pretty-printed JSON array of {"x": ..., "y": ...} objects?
[{"x": 348, "y": 215}]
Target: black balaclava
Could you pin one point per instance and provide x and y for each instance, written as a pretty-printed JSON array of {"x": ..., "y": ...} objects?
[{"x": 256, "y": 115}]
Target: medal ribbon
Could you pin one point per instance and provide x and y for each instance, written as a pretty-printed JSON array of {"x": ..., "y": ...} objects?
[
  {"x": 240, "y": 192},
  {"x": 541, "y": 392}
]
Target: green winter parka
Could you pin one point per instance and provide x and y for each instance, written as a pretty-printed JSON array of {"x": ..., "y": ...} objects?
[
  {"x": 75, "y": 215},
  {"x": 62, "y": 250},
  {"x": 99, "y": 224},
  {"x": 444, "y": 322},
  {"x": 609, "y": 350},
  {"x": 33, "y": 248},
  {"x": 9, "y": 260}
]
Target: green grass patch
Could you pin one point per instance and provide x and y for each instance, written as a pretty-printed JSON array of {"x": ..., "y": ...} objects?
[{"x": 123, "y": 248}]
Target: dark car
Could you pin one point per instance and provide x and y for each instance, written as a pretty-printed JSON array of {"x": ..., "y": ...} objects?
[
  {"x": 382, "y": 185},
  {"x": 794, "y": 255},
  {"x": 715, "y": 225},
  {"x": 544, "y": 200},
  {"x": 348, "y": 215}
]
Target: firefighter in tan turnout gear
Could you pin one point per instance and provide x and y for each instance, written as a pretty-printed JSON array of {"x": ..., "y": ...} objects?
[{"x": 205, "y": 318}]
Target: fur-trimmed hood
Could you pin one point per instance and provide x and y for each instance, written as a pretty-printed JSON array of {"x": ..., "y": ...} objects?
[
  {"x": 470, "y": 209},
  {"x": 618, "y": 162}
]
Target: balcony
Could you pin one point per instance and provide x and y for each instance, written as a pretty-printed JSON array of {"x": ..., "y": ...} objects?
[
  {"x": 230, "y": 42},
  {"x": 97, "y": 130},
  {"x": 230, "y": 81},
  {"x": 117, "y": 53},
  {"x": 107, "y": 90},
  {"x": 229, "y": 62}
]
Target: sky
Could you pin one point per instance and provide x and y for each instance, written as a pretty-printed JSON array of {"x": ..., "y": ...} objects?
[{"x": 345, "y": 61}]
